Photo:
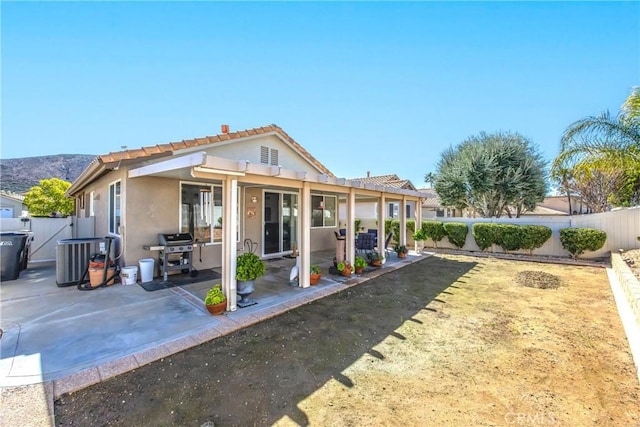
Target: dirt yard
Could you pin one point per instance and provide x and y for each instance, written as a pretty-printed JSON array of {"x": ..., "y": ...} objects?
[{"x": 451, "y": 340}]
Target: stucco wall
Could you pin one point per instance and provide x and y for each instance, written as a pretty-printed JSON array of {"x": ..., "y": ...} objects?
[{"x": 250, "y": 150}]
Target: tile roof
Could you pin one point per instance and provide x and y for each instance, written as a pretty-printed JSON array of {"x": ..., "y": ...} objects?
[
  {"x": 431, "y": 199},
  {"x": 391, "y": 180},
  {"x": 162, "y": 150}
]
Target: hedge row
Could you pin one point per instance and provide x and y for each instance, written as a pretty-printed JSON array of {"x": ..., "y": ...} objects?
[{"x": 510, "y": 237}]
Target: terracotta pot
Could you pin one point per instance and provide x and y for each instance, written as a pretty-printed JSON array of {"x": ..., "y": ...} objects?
[
  {"x": 359, "y": 270},
  {"x": 217, "y": 309},
  {"x": 346, "y": 272},
  {"x": 402, "y": 255},
  {"x": 376, "y": 263},
  {"x": 314, "y": 279}
]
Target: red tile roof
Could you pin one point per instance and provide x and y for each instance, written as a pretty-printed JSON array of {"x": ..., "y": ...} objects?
[{"x": 162, "y": 150}]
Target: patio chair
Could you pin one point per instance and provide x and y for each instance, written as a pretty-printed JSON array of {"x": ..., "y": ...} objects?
[
  {"x": 365, "y": 243},
  {"x": 374, "y": 231},
  {"x": 386, "y": 242}
]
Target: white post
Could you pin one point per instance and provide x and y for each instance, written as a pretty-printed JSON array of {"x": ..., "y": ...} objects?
[
  {"x": 382, "y": 237},
  {"x": 351, "y": 218},
  {"x": 229, "y": 250},
  {"x": 403, "y": 221},
  {"x": 304, "y": 254}
]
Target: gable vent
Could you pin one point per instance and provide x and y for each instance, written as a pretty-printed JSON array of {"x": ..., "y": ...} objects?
[
  {"x": 274, "y": 157},
  {"x": 264, "y": 155}
]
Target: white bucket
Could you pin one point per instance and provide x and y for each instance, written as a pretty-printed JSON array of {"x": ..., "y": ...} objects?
[
  {"x": 146, "y": 269},
  {"x": 129, "y": 275}
]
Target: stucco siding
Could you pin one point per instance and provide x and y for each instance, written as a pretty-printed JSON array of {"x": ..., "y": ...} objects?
[{"x": 249, "y": 150}]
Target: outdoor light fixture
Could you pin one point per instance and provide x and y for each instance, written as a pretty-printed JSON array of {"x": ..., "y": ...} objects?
[{"x": 254, "y": 199}]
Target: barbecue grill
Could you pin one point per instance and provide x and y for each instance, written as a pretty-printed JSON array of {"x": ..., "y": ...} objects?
[{"x": 176, "y": 253}]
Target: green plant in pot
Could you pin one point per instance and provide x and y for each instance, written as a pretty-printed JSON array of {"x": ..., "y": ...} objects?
[
  {"x": 314, "y": 274},
  {"x": 419, "y": 237},
  {"x": 344, "y": 267},
  {"x": 215, "y": 300},
  {"x": 249, "y": 267},
  {"x": 401, "y": 250},
  {"x": 375, "y": 258},
  {"x": 359, "y": 263}
]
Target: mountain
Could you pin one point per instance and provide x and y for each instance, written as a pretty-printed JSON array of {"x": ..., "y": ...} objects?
[{"x": 19, "y": 175}]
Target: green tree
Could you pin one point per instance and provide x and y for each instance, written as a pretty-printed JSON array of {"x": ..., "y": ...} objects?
[
  {"x": 495, "y": 174},
  {"x": 48, "y": 197}
]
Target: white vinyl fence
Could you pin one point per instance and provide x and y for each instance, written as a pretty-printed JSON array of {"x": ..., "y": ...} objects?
[
  {"x": 622, "y": 228},
  {"x": 47, "y": 232}
]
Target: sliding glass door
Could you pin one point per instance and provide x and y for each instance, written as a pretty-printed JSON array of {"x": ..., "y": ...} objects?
[{"x": 280, "y": 222}]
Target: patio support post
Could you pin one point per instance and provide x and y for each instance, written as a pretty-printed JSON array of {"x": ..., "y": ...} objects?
[
  {"x": 229, "y": 249},
  {"x": 305, "y": 236},
  {"x": 403, "y": 221},
  {"x": 418, "y": 214},
  {"x": 382, "y": 236},
  {"x": 351, "y": 219}
]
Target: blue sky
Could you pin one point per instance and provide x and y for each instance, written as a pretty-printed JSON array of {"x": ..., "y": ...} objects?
[{"x": 344, "y": 79}]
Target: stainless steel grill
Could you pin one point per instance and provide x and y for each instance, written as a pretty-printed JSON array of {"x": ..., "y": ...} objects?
[{"x": 176, "y": 253}]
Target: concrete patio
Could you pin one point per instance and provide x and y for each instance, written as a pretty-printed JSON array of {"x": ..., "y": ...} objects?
[{"x": 65, "y": 339}]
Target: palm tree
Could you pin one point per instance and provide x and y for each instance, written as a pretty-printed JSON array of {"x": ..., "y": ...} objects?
[
  {"x": 603, "y": 137},
  {"x": 430, "y": 178}
]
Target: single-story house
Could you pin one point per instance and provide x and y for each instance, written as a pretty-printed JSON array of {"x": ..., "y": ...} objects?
[
  {"x": 257, "y": 185},
  {"x": 11, "y": 205}
]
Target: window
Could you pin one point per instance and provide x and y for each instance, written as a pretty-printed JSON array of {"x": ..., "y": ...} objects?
[
  {"x": 92, "y": 198},
  {"x": 114, "y": 207},
  {"x": 323, "y": 211},
  {"x": 201, "y": 212},
  {"x": 408, "y": 213}
]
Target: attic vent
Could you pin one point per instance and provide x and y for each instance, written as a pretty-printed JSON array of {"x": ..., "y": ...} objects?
[{"x": 268, "y": 156}]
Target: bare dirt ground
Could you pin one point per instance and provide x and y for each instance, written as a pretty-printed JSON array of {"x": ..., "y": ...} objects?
[{"x": 452, "y": 340}]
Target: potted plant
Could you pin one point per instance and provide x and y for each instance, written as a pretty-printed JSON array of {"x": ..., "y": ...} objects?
[
  {"x": 215, "y": 301},
  {"x": 375, "y": 259},
  {"x": 359, "y": 264},
  {"x": 314, "y": 274},
  {"x": 249, "y": 267},
  {"x": 344, "y": 267},
  {"x": 401, "y": 250},
  {"x": 419, "y": 237}
]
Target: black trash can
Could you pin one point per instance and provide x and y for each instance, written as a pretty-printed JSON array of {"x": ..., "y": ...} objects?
[{"x": 11, "y": 254}]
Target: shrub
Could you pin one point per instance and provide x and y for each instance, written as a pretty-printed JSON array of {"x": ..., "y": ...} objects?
[
  {"x": 578, "y": 240},
  {"x": 434, "y": 230},
  {"x": 484, "y": 234},
  {"x": 411, "y": 225},
  {"x": 419, "y": 235},
  {"x": 508, "y": 236},
  {"x": 534, "y": 236},
  {"x": 395, "y": 228},
  {"x": 456, "y": 233}
]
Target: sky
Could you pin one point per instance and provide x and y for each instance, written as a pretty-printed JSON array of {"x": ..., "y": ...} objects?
[{"x": 379, "y": 87}]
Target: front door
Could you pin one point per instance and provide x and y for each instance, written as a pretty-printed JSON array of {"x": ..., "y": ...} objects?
[{"x": 280, "y": 222}]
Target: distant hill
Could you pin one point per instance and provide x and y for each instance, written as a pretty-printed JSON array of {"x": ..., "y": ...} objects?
[{"x": 19, "y": 175}]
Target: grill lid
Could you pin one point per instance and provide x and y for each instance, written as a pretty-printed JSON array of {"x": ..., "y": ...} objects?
[{"x": 175, "y": 239}]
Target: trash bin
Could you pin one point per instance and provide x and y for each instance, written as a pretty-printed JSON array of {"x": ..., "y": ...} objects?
[
  {"x": 146, "y": 269},
  {"x": 11, "y": 254},
  {"x": 129, "y": 275}
]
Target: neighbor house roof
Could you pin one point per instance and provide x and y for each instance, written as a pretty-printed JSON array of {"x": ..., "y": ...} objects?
[
  {"x": 391, "y": 180},
  {"x": 11, "y": 195},
  {"x": 102, "y": 163},
  {"x": 431, "y": 199}
]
